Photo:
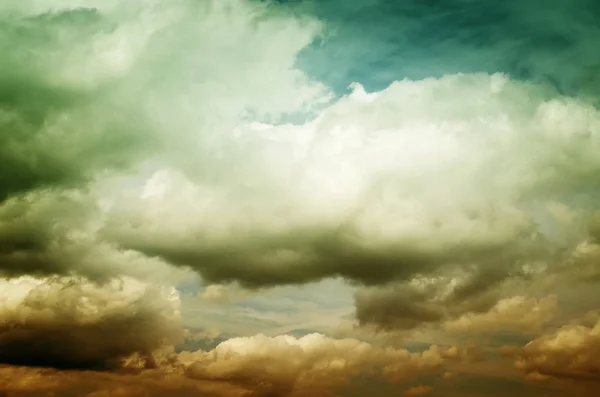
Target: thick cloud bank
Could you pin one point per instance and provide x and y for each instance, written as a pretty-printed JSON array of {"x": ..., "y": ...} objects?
[
  {"x": 138, "y": 136},
  {"x": 458, "y": 174},
  {"x": 147, "y": 142}
]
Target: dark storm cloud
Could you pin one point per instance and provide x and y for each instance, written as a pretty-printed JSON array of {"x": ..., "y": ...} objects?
[{"x": 70, "y": 323}]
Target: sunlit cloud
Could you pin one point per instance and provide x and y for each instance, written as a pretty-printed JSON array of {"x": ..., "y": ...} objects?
[{"x": 273, "y": 198}]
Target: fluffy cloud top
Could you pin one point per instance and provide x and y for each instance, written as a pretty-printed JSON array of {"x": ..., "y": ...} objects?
[
  {"x": 381, "y": 186},
  {"x": 285, "y": 365},
  {"x": 129, "y": 328},
  {"x": 517, "y": 313},
  {"x": 142, "y": 137},
  {"x": 92, "y": 85},
  {"x": 570, "y": 352}
]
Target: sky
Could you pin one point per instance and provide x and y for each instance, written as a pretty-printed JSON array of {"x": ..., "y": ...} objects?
[{"x": 300, "y": 198}]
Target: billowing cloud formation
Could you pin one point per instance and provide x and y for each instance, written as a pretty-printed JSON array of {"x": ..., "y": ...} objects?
[
  {"x": 379, "y": 187},
  {"x": 570, "y": 352},
  {"x": 127, "y": 329},
  {"x": 311, "y": 365},
  {"x": 511, "y": 314},
  {"x": 54, "y": 232},
  {"x": 70, "y": 323},
  {"x": 95, "y": 85},
  {"x": 382, "y": 186},
  {"x": 142, "y": 141}
]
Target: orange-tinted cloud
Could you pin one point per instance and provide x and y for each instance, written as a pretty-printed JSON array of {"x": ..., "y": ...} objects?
[{"x": 571, "y": 352}]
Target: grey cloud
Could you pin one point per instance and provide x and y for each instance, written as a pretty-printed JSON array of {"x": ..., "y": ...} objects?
[
  {"x": 408, "y": 306},
  {"x": 399, "y": 308},
  {"x": 299, "y": 257},
  {"x": 70, "y": 323}
]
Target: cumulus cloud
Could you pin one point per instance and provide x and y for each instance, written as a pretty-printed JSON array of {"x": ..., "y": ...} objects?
[
  {"x": 90, "y": 88},
  {"x": 145, "y": 140},
  {"x": 119, "y": 337},
  {"x": 382, "y": 186},
  {"x": 570, "y": 352},
  {"x": 74, "y": 324},
  {"x": 310, "y": 365},
  {"x": 459, "y": 301},
  {"x": 314, "y": 365},
  {"x": 75, "y": 72},
  {"x": 518, "y": 313},
  {"x": 54, "y": 232}
]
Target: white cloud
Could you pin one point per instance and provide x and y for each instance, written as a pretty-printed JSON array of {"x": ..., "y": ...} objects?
[
  {"x": 285, "y": 365},
  {"x": 409, "y": 178}
]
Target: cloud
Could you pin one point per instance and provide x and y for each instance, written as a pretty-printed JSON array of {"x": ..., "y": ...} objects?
[
  {"x": 496, "y": 158},
  {"x": 120, "y": 337},
  {"x": 285, "y": 365},
  {"x": 144, "y": 142},
  {"x": 222, "y": 294},
  {"x": 518, "y": 313},
  {"x": 380, "y": 186},
  {"x": 571, "y": 352},
  {"x": 75, "y": 72},
  {"x": 27, "y": 381},
  {"x": 70, "y": 323},
  {"x": 457, "y": 301},
  {"x": 252, "y": 366},
  {"x": 54, "y": 232},
  {"x": 418, "y": 391}
]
